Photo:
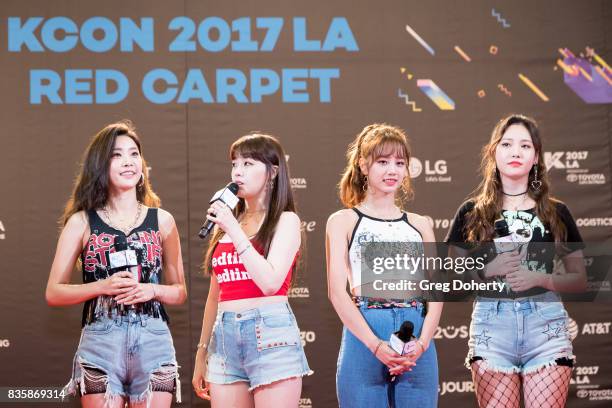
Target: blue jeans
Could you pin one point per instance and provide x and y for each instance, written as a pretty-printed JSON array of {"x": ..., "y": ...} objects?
[
  {"x": 363, "y": 381},
  {"x": 520, "y": 336}
]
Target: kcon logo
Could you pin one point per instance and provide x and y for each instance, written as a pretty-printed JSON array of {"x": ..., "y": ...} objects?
[
  {"x": 307, "y": 337},
  {"x": 449, "y": 387},
  {"x": 2, "y": 231},
  {"x": 564, "y": 160},
  {"x": 435, "y": 171}
]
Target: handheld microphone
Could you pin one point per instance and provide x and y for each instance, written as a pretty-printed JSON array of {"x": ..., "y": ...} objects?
[
  {"x": 504, "y": 241},
  {"x": 402, "y": 341},
  {"x": 124, "y": 258},
  {"x": 226, "y": 195}
]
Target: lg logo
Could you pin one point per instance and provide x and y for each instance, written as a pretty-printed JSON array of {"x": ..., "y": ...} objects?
[{"x": 437, "y": 168}]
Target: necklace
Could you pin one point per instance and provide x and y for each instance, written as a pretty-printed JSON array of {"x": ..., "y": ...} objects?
[
  {"x": 514, "y": 195},
  {"x": 384, "y": 218},
  {"x": 247, "y": 217},
  {"x": 520, "y": 204},
  {"x": 125, "y": 230}
]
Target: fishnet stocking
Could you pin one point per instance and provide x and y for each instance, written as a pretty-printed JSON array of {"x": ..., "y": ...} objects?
[
  {"x": 547, "y": 388},
  {"x": 495, "y": 389}
]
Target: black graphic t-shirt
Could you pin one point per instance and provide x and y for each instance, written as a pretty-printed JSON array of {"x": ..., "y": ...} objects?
[
  {"x": 145, "y": 240},
  {"x": 525, "y": 226}
]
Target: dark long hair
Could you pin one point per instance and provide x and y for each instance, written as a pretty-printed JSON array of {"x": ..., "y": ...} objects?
[
  {"x": 488, "y": 196},
  {"x": 266, "y": 149},
  {"x": 90, "y": 190}
]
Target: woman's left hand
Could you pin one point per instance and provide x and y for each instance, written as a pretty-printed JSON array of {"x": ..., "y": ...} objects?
[
  {"x": 222, "y": 216},
  {"x": 139, "y": 294},
  {"x": 524, "y": 279}
]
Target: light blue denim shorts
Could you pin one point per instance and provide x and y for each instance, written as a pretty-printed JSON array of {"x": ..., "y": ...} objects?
[
  {"x": 520, "y": 336},
  {"x": 258, "y": 346},
  {"x": 129, "y": 354}
]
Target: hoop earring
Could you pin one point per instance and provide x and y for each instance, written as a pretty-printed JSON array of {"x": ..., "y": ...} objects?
[
  {"x": 364, "y": 187},
  {"x": 535, "y": 183}
]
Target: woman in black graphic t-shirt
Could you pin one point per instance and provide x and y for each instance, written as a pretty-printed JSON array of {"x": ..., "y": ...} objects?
[
  {"x": 519, "y": 338},
  {"x": 123, "y": 244}
]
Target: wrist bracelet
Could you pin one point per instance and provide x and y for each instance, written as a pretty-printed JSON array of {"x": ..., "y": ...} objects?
[
  {"x": 380, "y": 343},
  {"x": 202, "y": 345},
  {"x": 420, "y": 343},
  {"x": 154, "y": 294}
]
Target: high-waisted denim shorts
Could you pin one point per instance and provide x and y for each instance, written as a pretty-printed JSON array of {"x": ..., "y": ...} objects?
[
  {"x": 128, "y": 355},
  {"x": 258, "y": 346},
  {"x": 520, "y": 336}
]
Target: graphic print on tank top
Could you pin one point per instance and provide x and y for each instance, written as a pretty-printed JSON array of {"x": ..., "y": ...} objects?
[
  {"x": 145, "y": 240},
  {"x": 370, "y": 230},
  {"x": 525, "y": 227}
]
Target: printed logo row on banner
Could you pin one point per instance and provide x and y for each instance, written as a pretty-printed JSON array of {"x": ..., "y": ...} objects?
[{"x": 573, "y": 163}]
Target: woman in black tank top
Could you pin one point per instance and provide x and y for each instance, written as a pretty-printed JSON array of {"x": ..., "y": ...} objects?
[{"x": 122, "y": 244}]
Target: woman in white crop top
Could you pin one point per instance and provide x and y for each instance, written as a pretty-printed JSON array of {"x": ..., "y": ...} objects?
[{"x": 370, "y": 373}]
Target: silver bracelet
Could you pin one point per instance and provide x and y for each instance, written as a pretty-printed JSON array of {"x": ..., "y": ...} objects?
[
  {"x": 202, "y": 345},
  {"x": 154, "y": 294}
]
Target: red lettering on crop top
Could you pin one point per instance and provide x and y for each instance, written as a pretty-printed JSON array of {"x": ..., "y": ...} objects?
[{"x": 234, "y": 280}]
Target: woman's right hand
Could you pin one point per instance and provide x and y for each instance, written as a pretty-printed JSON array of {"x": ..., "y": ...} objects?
[
  {"x": 386, "y": 355},
  {"x": 118, "y": 283},
  {"x": 200, "y": 386},
  {"x": 503, "y": 264}
]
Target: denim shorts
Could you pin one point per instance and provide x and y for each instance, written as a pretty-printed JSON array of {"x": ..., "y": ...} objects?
[
  {"x": 127, "y": 353},
  {"x": 520, "y": 336},
  {"x": 258, "y": 346},
  {"x": 362, "y": 381}
]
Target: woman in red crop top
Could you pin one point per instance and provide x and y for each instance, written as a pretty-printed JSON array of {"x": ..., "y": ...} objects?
[{"x": 250, "y": 353}]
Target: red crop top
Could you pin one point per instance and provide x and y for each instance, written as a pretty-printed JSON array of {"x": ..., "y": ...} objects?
[{"x": 234, "y": 281}]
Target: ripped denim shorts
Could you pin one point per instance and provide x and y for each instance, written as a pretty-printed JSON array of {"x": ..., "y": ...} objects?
[
  {"x": 258, "y": 346},
  {"x": 125, "y": 357},
  {"x": 520, "y": 336}
]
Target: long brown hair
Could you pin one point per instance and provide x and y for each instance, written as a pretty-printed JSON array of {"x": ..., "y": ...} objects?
[
  {"x": 488, "y": 196},
  {"x": 90, "y": 190},
  {"x": 374, "y": 141},
  {"x": 266, "y": 149}
]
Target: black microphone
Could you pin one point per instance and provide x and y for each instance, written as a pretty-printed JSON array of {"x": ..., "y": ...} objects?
[
  {"x": 124, "y": 258},
  {"x": 503, "y": 239},
  {"x": 226, "y": 195}
]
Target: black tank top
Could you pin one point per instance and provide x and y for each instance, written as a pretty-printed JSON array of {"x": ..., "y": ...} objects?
[{"x": 145, "y": 240}]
